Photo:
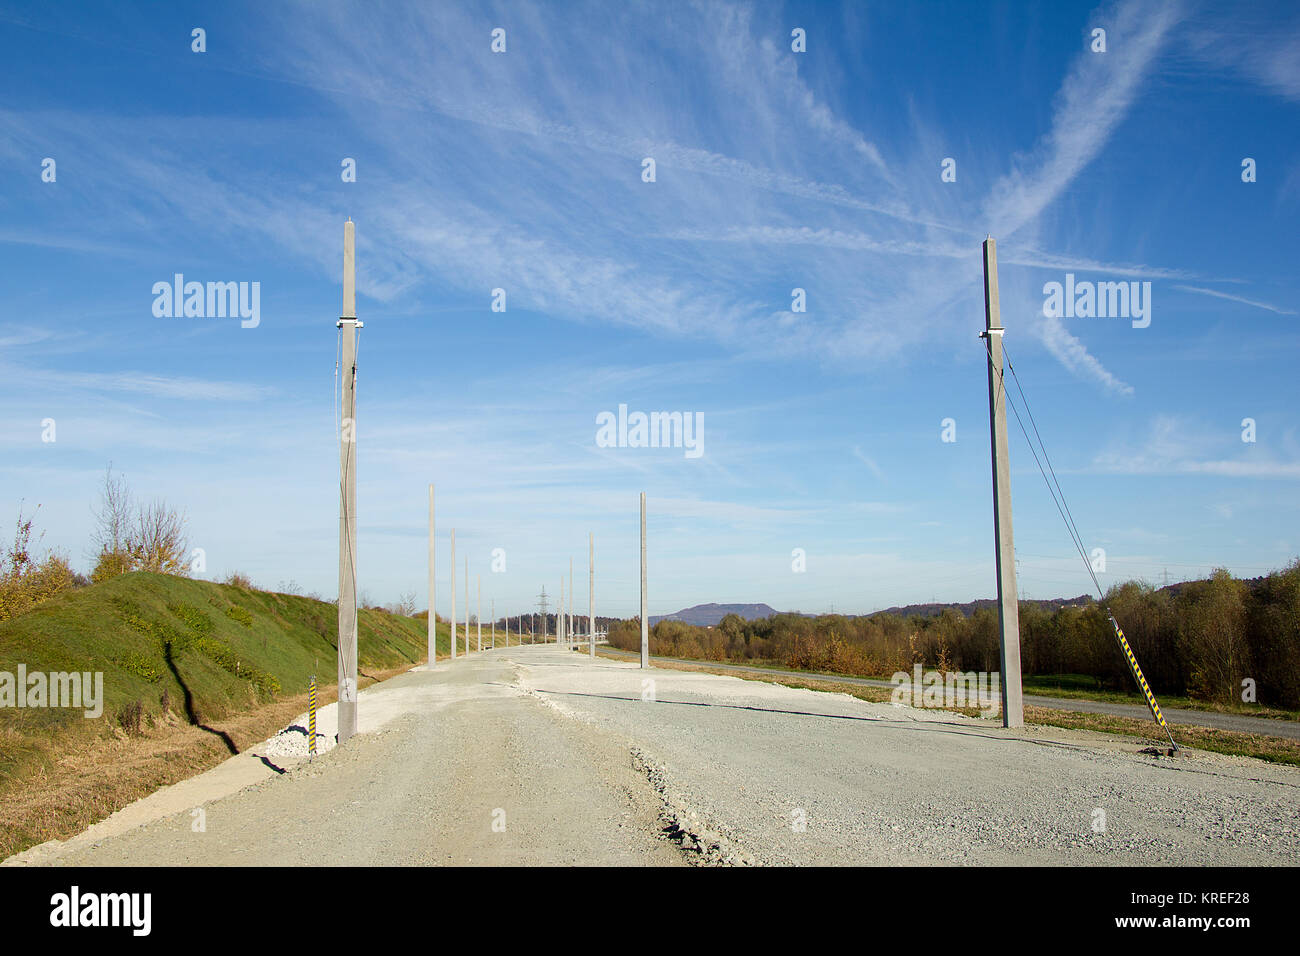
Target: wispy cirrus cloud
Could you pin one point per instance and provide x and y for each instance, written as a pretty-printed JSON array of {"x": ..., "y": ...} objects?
[
  {"x": 1255, "y": 46},
  {"x": 1091, "y": 103},
  {"x": 1235, "y": 298},
  {"x": 1176, "y": 446},
  {"x": 874, "y": 468},
  {"x": 136, "y": 383}
]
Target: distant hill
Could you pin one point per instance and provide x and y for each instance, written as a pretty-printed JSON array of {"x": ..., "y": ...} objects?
[
  {"x": 708, "y": 615},
  {"x": 970, "y": 607}
]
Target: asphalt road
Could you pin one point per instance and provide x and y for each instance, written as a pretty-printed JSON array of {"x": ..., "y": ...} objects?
[
  {"x": 1197, "y": 718},
  {"x": 581, "y": 761}
]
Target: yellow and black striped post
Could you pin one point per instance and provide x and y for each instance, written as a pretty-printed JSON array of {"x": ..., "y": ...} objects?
[
  {"x": 311, "y": 718},
  {"x": 1142, "y": 681}
]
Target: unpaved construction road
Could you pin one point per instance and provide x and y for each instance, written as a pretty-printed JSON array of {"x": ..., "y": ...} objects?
[
  {"x": 537, "y": 755},
  {"x": 1243, "y": 723}
]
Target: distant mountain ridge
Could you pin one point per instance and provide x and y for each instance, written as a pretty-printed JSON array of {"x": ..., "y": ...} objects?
[
  {"x": 709, "y": 615},
  {"x": 970, "y": 607}
]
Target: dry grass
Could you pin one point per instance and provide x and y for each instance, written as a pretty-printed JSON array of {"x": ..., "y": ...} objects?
[
  {"x": 1234, "y": 742},
  {"x": 96, "y": 774}
]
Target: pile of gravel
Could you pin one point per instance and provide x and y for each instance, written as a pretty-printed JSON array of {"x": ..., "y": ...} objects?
[{"x": 292, "y": 742}]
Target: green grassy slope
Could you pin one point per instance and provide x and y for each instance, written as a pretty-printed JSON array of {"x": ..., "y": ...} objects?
[{"x": 220, "y": 647}]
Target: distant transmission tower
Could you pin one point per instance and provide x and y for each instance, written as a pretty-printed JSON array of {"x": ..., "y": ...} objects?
[{"x": 541, "y": 604}]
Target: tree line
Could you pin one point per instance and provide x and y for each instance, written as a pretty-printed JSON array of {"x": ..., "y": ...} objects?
[{"x": 1222, "y": 639}]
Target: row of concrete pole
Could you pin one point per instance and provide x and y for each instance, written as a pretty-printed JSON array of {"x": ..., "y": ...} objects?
[
  {"x": 563, "y": 619},
  {"x": 1004, "y": 550}
]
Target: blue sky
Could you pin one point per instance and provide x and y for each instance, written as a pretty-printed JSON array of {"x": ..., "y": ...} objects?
[{"x": 774, "y": 170}]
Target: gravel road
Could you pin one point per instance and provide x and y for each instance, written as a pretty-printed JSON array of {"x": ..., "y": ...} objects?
[
  {"x": 583, "y": 770},
  {"x": 1175, "y": 715},
  {"x": 467, "y": 750}
]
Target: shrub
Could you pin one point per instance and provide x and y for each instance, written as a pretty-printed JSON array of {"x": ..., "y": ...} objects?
[
  {"x": 131, "y": 718},
  {"x": 139, "y": 665},
  {"x": 110, "y": 565},
  {"x": 225, "y": 657},
  {"x": 24, "y": 581},
  {"x": 198, "y": 622},
  {"x": 237, "y": 613}
]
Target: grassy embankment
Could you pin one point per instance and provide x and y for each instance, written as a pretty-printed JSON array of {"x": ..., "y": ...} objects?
[{"x": 193, "y": 672}]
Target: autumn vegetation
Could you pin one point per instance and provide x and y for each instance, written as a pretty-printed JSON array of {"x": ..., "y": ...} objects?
[{"x": 1200, "y": 639}]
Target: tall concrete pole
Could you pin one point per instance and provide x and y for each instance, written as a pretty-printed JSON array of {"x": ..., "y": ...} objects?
[
  {"x": 433, "y": 589},
  {"x": 478, "y": 615},
  {"x": 347, "y": 644},
  {"x": 494, "y": 624},
  {"x": 467, "y": 605},
  {"x": 573, "y": 638},
  {"x": 591, "y": 592},
  {"x": 1013, "y": 710},
  {"x": 453, "y": 593},
  {"x": 560, "y": 636},
  {"x": 645, "y": 602}
]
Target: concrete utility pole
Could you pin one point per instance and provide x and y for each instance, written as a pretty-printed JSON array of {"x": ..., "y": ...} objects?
[
  {"x": 560, "y": 636},
  {"x": 645, "y": 602},
  {"x": 494, "y": 624},
  {"x": 478, "y": 615},
  {"x": 591, "y": 592},
  {"x": 572, "y": 636},
  {"x": 347, "y": 645},
  {"x": 433, "y": 589},
  {"x": 467, "y": 605},
  {"x": 453, "y": 594},
  {"x": 1013, "y": 710}
]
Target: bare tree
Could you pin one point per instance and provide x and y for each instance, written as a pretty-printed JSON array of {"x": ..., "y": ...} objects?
[
  {"x": 113, "y": 516},
  {"x": 404, "y": 606},
  {"x": 157, "y": 540}
]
